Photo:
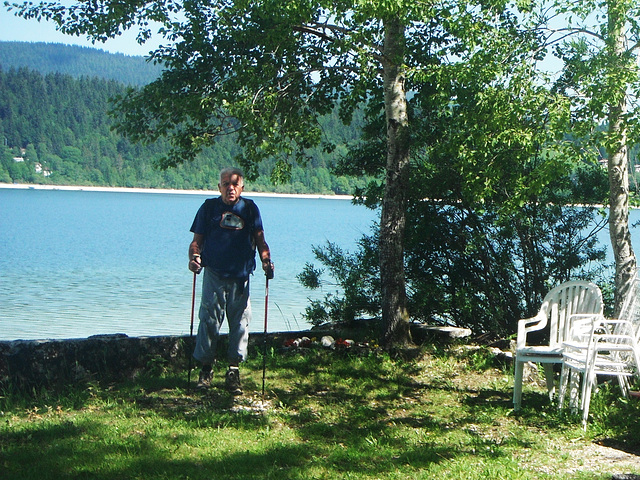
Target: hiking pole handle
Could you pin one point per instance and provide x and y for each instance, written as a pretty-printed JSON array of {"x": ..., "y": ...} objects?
[{"x": 269, "y": 271}]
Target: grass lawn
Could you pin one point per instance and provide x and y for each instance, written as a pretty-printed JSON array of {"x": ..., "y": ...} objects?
[{"x": 327, "y": 414}]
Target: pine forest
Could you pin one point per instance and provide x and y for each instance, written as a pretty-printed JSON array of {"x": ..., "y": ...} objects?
[{"x": 55, "y": 129}]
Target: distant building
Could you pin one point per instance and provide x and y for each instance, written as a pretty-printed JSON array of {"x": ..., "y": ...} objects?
[
  {"x": 23, "y": 152},
  {"x": 41, "y": 170}
]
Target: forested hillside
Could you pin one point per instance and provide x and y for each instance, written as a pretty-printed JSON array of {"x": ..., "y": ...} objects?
[
  {"x": 77, "y": 62},
  {"x": 54, "y": 129}
]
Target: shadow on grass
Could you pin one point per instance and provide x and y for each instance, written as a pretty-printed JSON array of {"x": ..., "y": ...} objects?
[
  {"x": 325, "y": 417},
  {"x": 84, "y": 448},
  {"x": 54, "y": 452},
  {"x": 347, "y": 413}
]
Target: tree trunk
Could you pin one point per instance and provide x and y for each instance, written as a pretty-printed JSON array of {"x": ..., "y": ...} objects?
[
  {"x": 395, "y": 317},
  {"x": 624, "y": 256}
]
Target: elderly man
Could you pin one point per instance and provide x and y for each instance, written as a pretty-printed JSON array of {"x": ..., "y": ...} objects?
[{"x": 226, "y": 232}]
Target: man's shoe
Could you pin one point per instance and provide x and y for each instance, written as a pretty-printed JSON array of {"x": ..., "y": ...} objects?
[
  {"x": 204, "y": 380},
  {"x": 232, "y": 381}
]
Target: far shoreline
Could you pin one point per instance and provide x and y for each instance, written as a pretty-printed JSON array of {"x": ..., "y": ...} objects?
[{"x": 169, "y": 191}]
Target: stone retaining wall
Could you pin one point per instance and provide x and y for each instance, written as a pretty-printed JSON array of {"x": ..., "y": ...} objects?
[{"x": 27, "y": 364}]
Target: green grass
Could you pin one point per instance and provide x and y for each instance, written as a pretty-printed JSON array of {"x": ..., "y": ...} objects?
[{"x": 327, "y": 415}]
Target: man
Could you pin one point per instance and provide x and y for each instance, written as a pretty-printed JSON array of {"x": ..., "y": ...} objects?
[{"x": 226, "y": 232}]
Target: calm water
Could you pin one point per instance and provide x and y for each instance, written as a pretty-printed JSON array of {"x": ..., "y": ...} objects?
[{"x": 81, "y": 263}]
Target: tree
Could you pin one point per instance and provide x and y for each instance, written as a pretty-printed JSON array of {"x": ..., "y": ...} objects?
[
  {"x": 488, "y": 233},
  {"x": 267, "y": 70},
  {"x": 624, "y": 64},
  {"x": 599, "y": 46}
]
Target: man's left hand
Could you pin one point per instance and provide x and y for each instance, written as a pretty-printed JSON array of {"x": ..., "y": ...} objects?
[{"x": 268, "y": 267}]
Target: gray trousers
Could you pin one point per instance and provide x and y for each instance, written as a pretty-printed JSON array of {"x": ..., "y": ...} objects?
[{"x": 223, "y": 298}]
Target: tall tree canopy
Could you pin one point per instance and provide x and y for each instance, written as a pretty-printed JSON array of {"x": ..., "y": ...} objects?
[
  {"x": 266, "y": 70},
  {"x": 598, "y": 42}
]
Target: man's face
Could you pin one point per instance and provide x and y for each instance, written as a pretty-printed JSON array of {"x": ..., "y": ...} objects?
[{"x": 231, "y": 187}]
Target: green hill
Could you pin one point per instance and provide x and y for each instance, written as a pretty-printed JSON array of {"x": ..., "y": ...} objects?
[
  {"x": 77, "y": 62},
  {"x": 54, "y": 129}
]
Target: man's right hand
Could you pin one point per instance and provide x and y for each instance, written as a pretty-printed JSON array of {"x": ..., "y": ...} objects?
[{"x": 194, "y": 264}]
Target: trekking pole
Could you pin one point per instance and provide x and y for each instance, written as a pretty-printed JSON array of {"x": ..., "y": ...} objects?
[
  {"x": 193, "y": 304},
  {"x": 268, "y": 274}
]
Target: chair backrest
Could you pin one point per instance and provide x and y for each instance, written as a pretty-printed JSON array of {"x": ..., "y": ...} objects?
[
  {"x": 631, "y": 306},
  {"x": 570, "y": 298}
]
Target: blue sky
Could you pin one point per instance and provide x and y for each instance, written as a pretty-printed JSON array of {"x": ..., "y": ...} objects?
[{"x": 14, "y": 28}]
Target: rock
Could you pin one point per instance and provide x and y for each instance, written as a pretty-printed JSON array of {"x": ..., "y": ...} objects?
[
  {"x": 422, "y": 333},
  {"x": 328, "y": 341}
]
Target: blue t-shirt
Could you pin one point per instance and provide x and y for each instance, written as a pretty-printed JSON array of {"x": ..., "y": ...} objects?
[{"x": 228, "y": 230}]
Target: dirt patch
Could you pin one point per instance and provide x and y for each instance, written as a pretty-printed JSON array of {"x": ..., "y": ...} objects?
[{"x": 599, "y": 458}]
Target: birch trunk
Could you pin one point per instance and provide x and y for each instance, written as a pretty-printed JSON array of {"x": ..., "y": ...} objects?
[
  {"x": 393, "y": 216},
  {"x": 624, "y": 256}
]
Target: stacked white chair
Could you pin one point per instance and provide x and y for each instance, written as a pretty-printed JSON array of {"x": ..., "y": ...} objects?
[
  {"x": 564, "y": 304},
  {"x": 602, "y": 347}
]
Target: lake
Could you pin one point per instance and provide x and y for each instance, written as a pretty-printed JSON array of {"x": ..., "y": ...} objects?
[{"x": 80, "y": 263}]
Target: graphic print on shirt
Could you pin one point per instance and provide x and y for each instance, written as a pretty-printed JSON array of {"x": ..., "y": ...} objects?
[{"x": 231, "y": 221}]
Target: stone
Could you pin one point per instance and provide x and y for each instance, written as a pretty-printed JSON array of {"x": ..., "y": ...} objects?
[{"x": 422, "y": 333}]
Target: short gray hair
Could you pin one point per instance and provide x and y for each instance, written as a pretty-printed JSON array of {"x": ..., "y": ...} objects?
[{"x": 231, "y": 171}]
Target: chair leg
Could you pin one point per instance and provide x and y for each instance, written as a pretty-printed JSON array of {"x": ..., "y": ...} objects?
[
  {"x": 564, "y": 380},
  {"x": 517, "y": 384},
  {"x": 574, "y": 389},
  {"x": 549, "y": 377},
  {"x": 586, "y": 402},
  {"x": 589, "y": 380}
]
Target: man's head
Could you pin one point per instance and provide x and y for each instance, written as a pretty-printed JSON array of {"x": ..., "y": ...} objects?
[{"x": 231, "y": 185}]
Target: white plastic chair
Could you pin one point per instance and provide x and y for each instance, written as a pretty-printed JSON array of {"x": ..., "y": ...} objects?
[
  {"x": 605, "y": 347},
  {"x": 564, "y": 304}
]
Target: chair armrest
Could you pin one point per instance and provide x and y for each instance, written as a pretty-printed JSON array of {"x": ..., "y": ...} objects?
[
  {"x": 583, "y": 324},
  {"x": 586, "y": 332},
  {"x": 527, "y": 325},
  {"x": 586, "y": 317}
]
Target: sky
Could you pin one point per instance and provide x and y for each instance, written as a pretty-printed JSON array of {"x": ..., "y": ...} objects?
[{"x": 14, "y": 28}]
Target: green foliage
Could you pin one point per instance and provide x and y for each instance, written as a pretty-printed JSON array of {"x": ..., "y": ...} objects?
[
  {"x": 491, "y": 224},
  {"x": 601, "y": 79},
  {"x": 60, "y": 123},
  {"x": 269, "y": 72},
  {"x": 491, "y": 217},
  {"x": 469, "y": 269},
  {"x": 357, "y": 281}
]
